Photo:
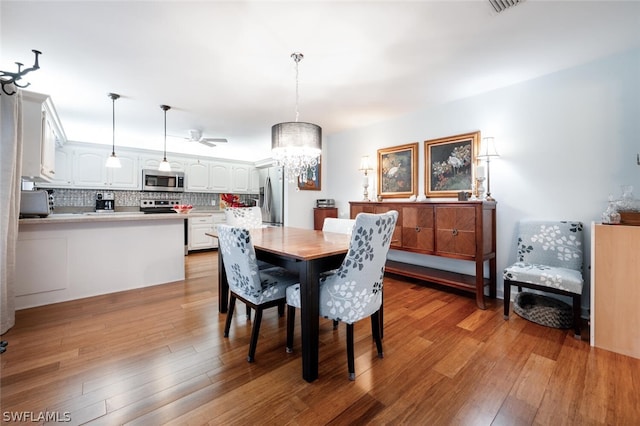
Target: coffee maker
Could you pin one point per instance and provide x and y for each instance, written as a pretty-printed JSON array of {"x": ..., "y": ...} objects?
[{"x": 105, "y": 202}]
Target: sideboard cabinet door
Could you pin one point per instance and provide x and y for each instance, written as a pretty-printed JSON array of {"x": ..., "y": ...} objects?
[
  {"x": 417, "y": 229},
  {"x": 455, "y": 231}
]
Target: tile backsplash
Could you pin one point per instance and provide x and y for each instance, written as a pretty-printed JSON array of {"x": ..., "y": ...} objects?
[{"x": 86, "y": 198}]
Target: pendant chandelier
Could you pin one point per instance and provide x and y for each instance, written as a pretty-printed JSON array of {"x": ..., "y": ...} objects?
[
  {"x": 113, "y": 161},
  {"x": 296, "y": 145},
  {"x": 164, "y": 164}
]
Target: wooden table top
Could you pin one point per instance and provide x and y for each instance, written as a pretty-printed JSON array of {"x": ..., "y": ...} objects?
[{"x": 298, "y": 243}]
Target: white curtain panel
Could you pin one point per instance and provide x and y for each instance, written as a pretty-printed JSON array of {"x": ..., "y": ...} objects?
[{"x": 10, "y": 171}]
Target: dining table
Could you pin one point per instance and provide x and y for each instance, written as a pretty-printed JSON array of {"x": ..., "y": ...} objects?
[{"x": 306, "y": 252}]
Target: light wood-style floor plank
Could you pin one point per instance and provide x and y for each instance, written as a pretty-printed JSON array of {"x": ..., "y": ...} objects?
[{"x": 158, "y": 356}]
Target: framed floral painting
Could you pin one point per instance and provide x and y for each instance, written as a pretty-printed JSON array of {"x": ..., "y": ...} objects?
[
  {"x": 449, "y": 164},
  {"x": 398, "y": 171}
]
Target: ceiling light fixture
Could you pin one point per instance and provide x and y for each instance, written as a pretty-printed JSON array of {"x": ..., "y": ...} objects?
[
  {"x": 113, "y": 161},
  {"x": 296, "y": 145},
  {"x": 164, "y": 164},
  {"x": 9, "y": 78}
]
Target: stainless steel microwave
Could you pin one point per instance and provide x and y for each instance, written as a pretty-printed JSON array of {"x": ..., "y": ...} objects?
[{"x": 155, "y": 180}]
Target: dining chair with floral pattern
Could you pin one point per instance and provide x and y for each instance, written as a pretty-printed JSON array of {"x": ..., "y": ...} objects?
[
  {"x": 354, "y": 290},
  {"x": 257, "y": 288}
]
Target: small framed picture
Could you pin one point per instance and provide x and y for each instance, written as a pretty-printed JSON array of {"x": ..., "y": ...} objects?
[
  {"x": 398, "y": 171},
  {"x": 310, "y": 181},
  {"x": 449, "y": 164}
]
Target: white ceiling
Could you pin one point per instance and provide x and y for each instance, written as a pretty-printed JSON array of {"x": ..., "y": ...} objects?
[{"x": 225, "y": 67}]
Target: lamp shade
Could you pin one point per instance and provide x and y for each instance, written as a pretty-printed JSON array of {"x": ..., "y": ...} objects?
[
  {"x": 296, "y": 146},
  {"x": 488, "y": 148},
  {"x": 297, "y": 135},
  {"x": 365, "y": 165}
]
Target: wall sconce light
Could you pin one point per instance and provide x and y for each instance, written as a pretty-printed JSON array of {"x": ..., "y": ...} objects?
[
  {"x": 10, "y": 78},
  {"x": 164, "y": 164},
  {"x": 113, "y": 161},
  {"x": 365, "y": 166},
  {"x": 487, "y": 152}
]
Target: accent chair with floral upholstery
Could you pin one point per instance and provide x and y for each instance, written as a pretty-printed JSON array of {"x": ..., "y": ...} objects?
[
  {"x": 549, "y": 259},
  {"x": 354, "y": 290},
  {"x": 258, "y": 289}
]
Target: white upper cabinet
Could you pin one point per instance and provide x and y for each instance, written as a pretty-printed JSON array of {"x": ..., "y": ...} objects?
[
  {"x": 208, "y": 176},
  {"x": 89, "y": 170},
  {"x": 254, "y": 181},
  {"x": 153, "y": 163},
  {"x": 220, "y": 177},
  {"x": 240, "y": 178},
  {"x": 64, "y": 170},
  {"x": 42, "y": 131}
]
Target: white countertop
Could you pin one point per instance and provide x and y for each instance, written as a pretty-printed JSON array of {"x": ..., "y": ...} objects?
[{"x": 91, "y": 217}]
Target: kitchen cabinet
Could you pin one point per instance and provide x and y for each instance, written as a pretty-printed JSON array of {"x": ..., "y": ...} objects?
[
  {"x": 199, "y": 226},
  {"x": 254, "y": 181},
  {"x": 240, "y": 179},
  {"x": 154, "y": 163},
  {"x": 208, "y": 176},
  {"x": 89, "y": 170},
  {"x": 42, "y": 131},
  {"x": 64, "y": 170},
  {"x": 457, "y": 230},
  {"x": 615, "y": 274}
]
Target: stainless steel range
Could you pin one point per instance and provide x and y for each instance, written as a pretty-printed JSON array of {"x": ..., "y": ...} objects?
[{"x": 158, "y": 206}]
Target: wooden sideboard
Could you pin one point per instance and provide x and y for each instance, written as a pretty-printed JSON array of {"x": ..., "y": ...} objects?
[
  {"x": 615, "y": 288},
  {"x": 320, "y": 214},
  {"x": 464, "y": 230}
]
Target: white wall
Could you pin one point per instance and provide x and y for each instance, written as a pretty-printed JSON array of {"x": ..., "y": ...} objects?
[{"x": 566, "y": 140}]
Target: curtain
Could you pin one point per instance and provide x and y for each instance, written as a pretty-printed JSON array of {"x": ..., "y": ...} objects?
[{"x": 10, "y": 171}]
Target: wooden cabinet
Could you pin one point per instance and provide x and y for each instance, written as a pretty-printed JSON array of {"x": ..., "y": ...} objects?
[
  {"x": 42, "y": 131},
  {"x": 417, "y": 227},
  {"x": 464, "y": 230},
  {"x": 615, "y": 289},
  {"x": 320, "y": 214}
]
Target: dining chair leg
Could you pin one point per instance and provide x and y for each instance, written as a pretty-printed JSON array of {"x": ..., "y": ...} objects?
[
  {"x": 281, "y": 308},
  {"x": 350, "y": 353},
  {"x": 255, "y": 332},
  {"x": 375, "y": 331},
  {"x": 577, "y": 316},
  {"x": 291, "y": 317},
  {"x": 507, "y": 298},
  {"x": 335, "y": 324},
  {"x": 248, "y": 313},
  {"x": 230, "y": 309}
]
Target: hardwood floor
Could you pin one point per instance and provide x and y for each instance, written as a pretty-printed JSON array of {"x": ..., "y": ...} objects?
[{"x": 158, "y": 356}]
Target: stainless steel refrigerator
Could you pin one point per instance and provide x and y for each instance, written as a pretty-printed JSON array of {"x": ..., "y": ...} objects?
[{"x": 271, "y": 200}]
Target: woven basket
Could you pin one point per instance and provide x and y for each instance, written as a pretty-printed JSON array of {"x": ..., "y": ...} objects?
[{"x": 543, "y": 310}]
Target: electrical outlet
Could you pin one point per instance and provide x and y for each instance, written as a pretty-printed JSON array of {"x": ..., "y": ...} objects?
[{"x": 213, "y": 202}]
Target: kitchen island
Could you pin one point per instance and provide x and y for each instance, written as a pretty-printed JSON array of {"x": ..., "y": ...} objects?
[{"x": 71, "y": 256}]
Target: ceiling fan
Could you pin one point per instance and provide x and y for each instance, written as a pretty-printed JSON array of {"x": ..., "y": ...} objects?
[{"x": 196, "y": 136}]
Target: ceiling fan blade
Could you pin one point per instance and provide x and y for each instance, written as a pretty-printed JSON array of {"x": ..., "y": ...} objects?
[
  {"x": 216, "y": 140},
  {"x": 207, "y": 143}
]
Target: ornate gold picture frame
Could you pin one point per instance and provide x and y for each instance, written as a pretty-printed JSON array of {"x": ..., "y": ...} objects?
[
  {"x": 398, "y": 171},
  {"x": 449, "y": 164}
]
